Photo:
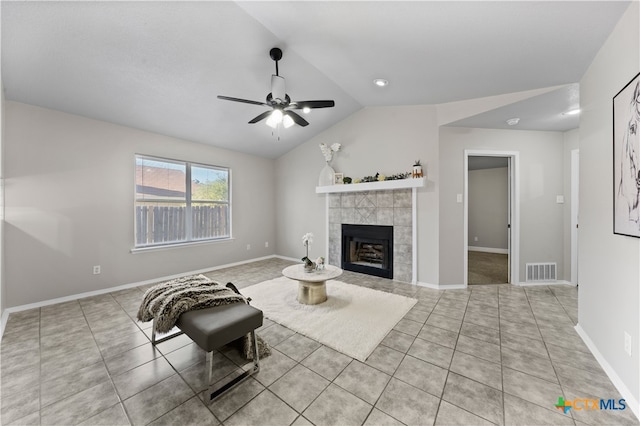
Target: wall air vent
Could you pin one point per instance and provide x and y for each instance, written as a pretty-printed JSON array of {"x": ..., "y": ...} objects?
[{"x": 541, "y": 272}]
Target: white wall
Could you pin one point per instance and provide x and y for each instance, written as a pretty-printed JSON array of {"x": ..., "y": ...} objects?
[
  {"x": 608, "y": 264},
  {"x": 541, "y": 179},
  {"x": 382, "y": 139},
  {"x": 488, "y": 212},
  {"x": 69, "y": 205}
]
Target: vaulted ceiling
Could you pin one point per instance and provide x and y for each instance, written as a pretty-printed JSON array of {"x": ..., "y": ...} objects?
[{"x": 158, "y": 66}]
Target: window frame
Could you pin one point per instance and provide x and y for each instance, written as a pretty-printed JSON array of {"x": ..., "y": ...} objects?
[{"x": 189, "y": 228}]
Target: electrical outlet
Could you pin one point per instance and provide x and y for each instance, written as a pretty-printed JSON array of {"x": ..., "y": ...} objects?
[
  {"x": 248, "y": 246},
  {"x": 96, "y": 269},
  {"x": 458, "y": 198},
  {"x": 627, "y": 343},
  {"x": 475, "y": 238},
  {"x": 266, "y": 243}
]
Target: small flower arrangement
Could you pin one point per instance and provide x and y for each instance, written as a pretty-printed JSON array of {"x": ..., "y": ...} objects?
[
  {"x": 307, "y": 239},
  {"x": 328, "y": 151},
  {"x": 320, "y": 263}
]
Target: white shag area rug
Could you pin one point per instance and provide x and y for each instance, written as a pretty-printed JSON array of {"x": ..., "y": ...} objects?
[{"x": 353, "y": 320}]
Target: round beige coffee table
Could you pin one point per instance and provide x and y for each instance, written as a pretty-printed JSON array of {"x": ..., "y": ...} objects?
[{"x": 312, "y": 288}]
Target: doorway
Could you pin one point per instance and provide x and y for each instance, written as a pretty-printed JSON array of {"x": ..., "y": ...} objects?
[{"x": 490, "y": 217}]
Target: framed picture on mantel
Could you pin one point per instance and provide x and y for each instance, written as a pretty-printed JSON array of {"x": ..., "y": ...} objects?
[
  {"x": 626, "y": 159},
  {"x": 338, "y": 178}
]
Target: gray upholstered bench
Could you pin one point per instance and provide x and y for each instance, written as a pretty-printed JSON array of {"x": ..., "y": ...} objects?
[{"x": 212, "y": 328}]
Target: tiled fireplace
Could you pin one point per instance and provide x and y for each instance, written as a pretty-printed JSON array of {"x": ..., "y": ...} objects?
[{"x": 385, "y": 207}]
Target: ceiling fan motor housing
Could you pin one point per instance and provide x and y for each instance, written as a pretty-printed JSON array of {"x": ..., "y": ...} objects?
[{"x": 277, "y": 89}]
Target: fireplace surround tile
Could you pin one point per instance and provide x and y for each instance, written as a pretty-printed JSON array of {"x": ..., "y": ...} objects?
[
  {"x": 385, "y": 216},
  {"x": 335, "y": 200},
  {"x": 402, "y": 272},
  {"x": 364, "y": 216},
  {"x": 335, "y": 215},
  {"x": 402, "y": 235},
  {"x": 402, "y": 253},
  {"x": 402, "y": 198},
  {"x": 387, "y": 207},
  {"x": 402, "y": 216},
  {"x": 365, "y": 200},
  {"x": 385, "y": 198},
  {"x": 348, "y": 200},
  {"x": 348, "y": 215}
]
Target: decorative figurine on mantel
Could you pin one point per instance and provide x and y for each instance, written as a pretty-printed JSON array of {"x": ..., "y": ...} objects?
[
  {"x": 327, "y": 172},
  {"x": 417, "y": 169}
]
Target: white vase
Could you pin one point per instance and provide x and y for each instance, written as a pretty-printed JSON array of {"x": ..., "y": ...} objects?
[{"x": 326, "y": 175}]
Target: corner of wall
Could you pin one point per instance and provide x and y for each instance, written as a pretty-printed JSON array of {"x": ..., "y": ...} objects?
[{"x": 2, "y": 138}]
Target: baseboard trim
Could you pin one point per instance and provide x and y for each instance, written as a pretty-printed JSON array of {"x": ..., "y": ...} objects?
[
  {"x": 292, "y": 259},
  {"x": 533, "y": 284},
  {"x": 611, "y": 373},
  {"x": 462, "y": 286},
  {"x": 441, "y": 286},
  {"x": 7, "y": 311},
  {"x": 489, "y": 249}
]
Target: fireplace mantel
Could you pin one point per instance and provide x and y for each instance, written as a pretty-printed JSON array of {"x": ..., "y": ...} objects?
[{"x": 372, "y": 186}]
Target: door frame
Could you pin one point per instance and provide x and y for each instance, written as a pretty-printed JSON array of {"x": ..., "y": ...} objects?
[
  {"x": 575, "y": 189},
  {"x": 514, "y": 209}
]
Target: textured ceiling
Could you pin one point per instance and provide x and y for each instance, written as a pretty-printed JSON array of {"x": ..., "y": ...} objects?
[{"x": 158, "y": 66}]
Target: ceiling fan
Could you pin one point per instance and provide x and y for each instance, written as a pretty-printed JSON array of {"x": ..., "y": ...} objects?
[{"x": 280, "y": 103}]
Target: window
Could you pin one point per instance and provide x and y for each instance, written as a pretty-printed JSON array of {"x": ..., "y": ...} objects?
[{"x": 178, "y": 201}]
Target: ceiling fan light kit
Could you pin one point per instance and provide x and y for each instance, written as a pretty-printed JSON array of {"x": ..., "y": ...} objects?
[{"x": 280, "y": 103}]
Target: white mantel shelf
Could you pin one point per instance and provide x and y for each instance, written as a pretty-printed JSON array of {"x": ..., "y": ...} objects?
[{"x": 372, "y": 186}]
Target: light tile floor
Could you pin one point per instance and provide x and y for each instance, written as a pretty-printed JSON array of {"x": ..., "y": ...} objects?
[{"x": 489, "y": 354}]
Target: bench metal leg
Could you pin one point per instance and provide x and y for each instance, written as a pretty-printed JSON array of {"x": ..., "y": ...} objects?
[
  {"x": 213, "y": 394},
  {"x": 155, "y": 341}
]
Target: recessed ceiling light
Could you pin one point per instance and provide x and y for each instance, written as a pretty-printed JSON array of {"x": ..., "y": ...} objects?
[
  {"x": 306, "y": 110},
  {"x": 381, "y": 82},
  {"x": 513, "y": 121},
  {"x": 573, "y": 112}
]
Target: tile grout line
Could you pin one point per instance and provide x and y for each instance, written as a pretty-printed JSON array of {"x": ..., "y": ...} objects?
[
  {"x": 535, "y": 318},
  {"x": 113, "y": 385}
]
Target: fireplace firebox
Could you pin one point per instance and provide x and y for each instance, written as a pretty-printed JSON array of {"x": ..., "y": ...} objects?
[{"x": 368, "y": 249}]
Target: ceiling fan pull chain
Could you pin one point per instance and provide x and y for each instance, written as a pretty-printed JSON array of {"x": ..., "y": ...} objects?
[{"x": 275, "y": 133}]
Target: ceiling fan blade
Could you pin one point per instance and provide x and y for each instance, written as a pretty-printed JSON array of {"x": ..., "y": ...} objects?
[
  {"x": 314, "y": 104},
  {"x": 260, "y": 117},
  {"x": 245, "y": 101},
  {"x": 297, "y": 119}
]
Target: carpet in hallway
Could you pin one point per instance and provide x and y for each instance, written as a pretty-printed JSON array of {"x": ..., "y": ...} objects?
[{"x": 487, "y": 268}]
